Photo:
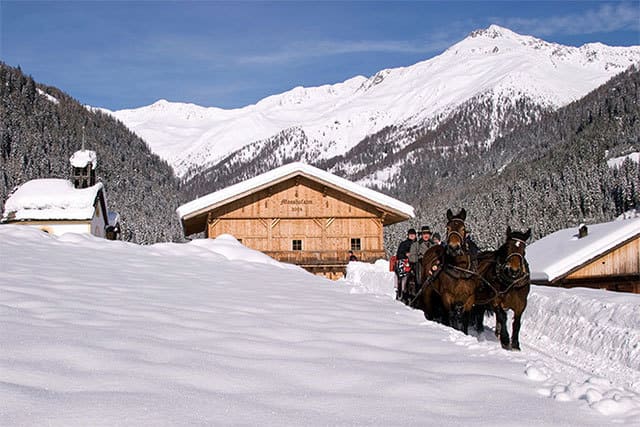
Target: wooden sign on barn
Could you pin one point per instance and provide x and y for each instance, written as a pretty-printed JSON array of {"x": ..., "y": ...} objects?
[{"x": 299, "y": 214}]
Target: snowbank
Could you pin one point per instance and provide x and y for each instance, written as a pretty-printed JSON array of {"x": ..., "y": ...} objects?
[
  {"x": 371, "y": 278},
  {"x": 96, "y": 332},
  {"x": 594, "y": 332}
]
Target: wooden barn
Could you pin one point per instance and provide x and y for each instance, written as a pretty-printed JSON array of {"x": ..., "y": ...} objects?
[
  {"x": 602, "y": 256},
  {"x": 59, "y": 206},
  {"x": 299, "y": 214}
]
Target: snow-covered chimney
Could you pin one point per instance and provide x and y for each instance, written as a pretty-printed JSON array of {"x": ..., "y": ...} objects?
[{"x": 582, "y": 231}]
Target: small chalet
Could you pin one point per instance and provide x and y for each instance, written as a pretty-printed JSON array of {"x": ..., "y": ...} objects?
[
  {"x": 605, "y": 256},
  {"x": 299, "y": 214},
  {"x": 59, "y": 206}
]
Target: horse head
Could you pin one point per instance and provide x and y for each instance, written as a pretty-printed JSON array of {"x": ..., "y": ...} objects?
[
  {"x": 514, "y": 265},
  {"x": 456, "y": 232}
]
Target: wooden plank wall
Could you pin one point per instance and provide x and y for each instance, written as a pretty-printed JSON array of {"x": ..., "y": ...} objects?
[
  {"x": 301, "y": 209},
  {"x": 623, "y": 261}
]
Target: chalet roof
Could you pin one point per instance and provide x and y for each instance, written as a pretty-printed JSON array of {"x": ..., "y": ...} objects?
[
  {"x": 51, "y": 199},
  {"x": 244, "y": 188},
  {"x": 559, "y": 253}
]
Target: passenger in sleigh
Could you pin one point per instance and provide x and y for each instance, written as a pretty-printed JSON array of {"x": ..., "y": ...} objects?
[
  {"x": 416, "y": 253},
  {"x": 402, "y": 264}
]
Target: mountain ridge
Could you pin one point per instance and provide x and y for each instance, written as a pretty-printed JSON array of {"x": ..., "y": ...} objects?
[{"x": 335, "y": 118}]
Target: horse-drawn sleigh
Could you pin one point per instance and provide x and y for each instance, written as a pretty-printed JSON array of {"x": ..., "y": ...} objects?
[{"x": 459, "y": 284}]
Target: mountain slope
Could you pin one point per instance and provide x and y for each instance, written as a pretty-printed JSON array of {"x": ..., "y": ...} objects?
[
  {"x": 549, "y": 175},
  {"x": 493, "y": 62}
]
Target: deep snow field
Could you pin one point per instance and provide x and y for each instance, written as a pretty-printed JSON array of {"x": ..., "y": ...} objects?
[{"x": 106, "y": 333}]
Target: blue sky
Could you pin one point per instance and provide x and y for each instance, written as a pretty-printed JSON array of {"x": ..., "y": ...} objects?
[{"x": 230, "y": 54}]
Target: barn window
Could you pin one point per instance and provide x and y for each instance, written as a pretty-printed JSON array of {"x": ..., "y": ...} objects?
[
  {"x": 296, "y": 245},
  {"x": 356, "y": 245}
]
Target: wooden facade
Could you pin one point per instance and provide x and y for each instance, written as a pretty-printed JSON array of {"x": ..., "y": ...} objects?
[
  {"x": 617, "y": 269},
  {"x": 301, "y": 220}
]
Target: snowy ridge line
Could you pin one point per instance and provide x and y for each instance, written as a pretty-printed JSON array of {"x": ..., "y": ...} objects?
[{"x": 336, "y": 117}]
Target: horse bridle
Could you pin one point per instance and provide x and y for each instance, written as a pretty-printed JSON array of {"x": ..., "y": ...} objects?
[
  {"x": 455, "y": 233},
  {"x": 503, "y": 266}
]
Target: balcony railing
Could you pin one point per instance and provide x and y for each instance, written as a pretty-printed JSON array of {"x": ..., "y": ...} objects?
[{"x": 324, "y": 257}]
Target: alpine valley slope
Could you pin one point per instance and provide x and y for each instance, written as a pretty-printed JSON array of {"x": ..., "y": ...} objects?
[{"x": 320, "y": 123}]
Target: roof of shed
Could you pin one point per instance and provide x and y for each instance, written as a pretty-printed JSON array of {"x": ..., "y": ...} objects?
[{"x": 560, "y": 253}]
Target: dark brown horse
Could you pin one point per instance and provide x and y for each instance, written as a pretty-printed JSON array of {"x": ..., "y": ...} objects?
[
  {"x": 505, "y": 286},
  {"x": 448, "y": 293}
]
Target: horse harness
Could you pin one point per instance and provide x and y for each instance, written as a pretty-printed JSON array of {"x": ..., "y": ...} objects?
[
  {"x": 449, "y": 232},
  {"x": 512, "y": 283},
  {"x": 471, "y": 271},
  {"x": 454, "y": 271}
]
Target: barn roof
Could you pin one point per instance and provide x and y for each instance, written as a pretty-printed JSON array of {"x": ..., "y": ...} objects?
[
  {"x": 560, "y": 253},
  {"x": 50, "y": 199},
  {"x": 200, "y": 206}
]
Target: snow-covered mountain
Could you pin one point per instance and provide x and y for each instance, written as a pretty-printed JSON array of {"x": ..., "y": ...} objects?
[{"x": 493, "y": 63}]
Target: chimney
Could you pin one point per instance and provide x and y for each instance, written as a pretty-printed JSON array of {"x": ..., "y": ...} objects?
[{"x": 582, "y": 231}]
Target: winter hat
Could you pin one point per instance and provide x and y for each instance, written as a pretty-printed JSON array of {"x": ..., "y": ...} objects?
[
  {"x": 412, "y": 231},
  {"x": 436, "y": 236},
  {"x": 426, "y": 229}
]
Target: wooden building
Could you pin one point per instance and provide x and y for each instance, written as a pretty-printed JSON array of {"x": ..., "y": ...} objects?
[
  {"x": 602, "y": 256},
  {"x": 59, "y": 206},
  {"x": 299, "y": 214}
]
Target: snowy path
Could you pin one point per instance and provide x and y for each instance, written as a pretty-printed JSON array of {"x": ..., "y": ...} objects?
[
  {"x": 578, "y": 344},
  {"x": 210, "y": 333}
]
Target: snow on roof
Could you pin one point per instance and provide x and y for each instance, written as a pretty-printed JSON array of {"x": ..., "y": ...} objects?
[
  {"x": 288, "y": 171},
  {"x": 82, "y": 158},
  {"x": 44, "y": 199},
  {"x": 558, "y": 253}
]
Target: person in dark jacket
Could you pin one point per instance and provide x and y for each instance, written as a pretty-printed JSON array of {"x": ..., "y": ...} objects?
[
  {"x": 352, "y": 256},
  {"x": 402, "y": 260},
  {"x": 436, "y": 239},
  {"x": 405, "y": 246},
  {"x": 417, "y": 251}
]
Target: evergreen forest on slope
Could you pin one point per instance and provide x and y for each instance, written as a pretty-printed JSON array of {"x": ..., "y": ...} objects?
[
  {"x": 548, "y": 175},
  {"x": 38, "y": 136}
]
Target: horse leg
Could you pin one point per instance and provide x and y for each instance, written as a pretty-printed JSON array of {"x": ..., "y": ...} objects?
[
  {"x": 515, "y": 334},
  {"x": 477, "y": 315},
  {"x": 457, "y": 316},
  {"x": 465, "y": 322},
  {"x": 501, "y": 319}
]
